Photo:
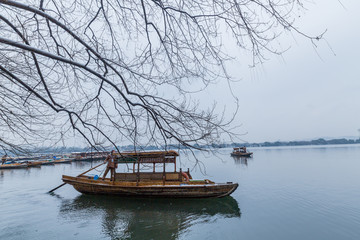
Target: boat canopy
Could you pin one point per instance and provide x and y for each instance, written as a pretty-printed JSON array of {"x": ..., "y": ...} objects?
[{"x": 147, "y": 157}]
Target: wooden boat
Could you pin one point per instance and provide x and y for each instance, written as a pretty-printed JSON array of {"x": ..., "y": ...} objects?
[
  {"x": 47, "y": 162},
  {"x": 151, "y": 184},
  {"x": 24, "y": 164},
  {"x": 57, "y": 161},
  {"x": 34, "y": 163},
  {"x": 241, "y": 152},
  {"x": 89, "y": 156},
  {"x": 13, "y": 165}
]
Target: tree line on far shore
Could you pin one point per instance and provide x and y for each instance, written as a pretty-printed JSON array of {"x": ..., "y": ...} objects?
[{"x": 319, "y": 141}]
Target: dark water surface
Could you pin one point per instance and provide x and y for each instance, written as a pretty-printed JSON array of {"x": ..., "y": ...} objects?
[{"x": 284, "y": 193}]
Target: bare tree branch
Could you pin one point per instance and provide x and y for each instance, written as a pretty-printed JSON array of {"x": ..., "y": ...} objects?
[{"x": 121, "y": 72}]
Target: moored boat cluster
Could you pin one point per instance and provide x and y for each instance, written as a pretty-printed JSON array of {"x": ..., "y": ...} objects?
[{"x": 49, "y": 159}]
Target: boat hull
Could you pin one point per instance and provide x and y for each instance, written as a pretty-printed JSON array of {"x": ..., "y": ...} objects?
[
  {"x": 47, "y": 163},
  {"x": 241, "y": 154},
  {"x": 13, "y": 166},
  {"x": 60, "y": 161},
  {"x": 177, "y": 190},
  {"x": 34, "y": 164}
]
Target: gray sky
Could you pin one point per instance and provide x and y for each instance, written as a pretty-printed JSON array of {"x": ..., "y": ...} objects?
[{"x": 308, "y": 92}]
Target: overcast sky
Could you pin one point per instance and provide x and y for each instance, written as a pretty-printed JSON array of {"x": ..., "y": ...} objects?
[{"x": 308, "y": 92}]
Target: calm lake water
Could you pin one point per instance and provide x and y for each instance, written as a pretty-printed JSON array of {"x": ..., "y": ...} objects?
[{"x": 284, "y": 193}]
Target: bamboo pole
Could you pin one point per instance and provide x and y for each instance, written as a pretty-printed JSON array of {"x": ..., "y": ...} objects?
[
  {"x": 164, "y": 177},
  {"x": 138, "y": 172}
]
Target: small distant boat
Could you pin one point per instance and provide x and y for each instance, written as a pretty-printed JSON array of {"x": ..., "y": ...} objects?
[
  {"x": 241, "y": 152},
  {"x": 151, "y": 184},
  {"x": 57, "y": 161},
  {"x": 34, "y": 163},
  {"x": 47, "y": 162},
  {"x": 89, "y": 156},
  {"x": 13, "y": 165}
]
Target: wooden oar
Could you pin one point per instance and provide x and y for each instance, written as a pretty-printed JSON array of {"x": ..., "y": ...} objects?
[{"x": 77, "y": 176}]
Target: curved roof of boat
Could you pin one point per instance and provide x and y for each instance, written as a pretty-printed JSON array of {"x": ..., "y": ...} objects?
[{"x": 150, "y": 153}]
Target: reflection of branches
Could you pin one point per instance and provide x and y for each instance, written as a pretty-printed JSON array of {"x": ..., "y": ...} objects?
[{"x": 110, "y": 69}]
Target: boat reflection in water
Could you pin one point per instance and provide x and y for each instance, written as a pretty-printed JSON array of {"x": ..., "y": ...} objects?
[
  {"x": 139, "y": 218},
  {"x": 242, "y": 160}
]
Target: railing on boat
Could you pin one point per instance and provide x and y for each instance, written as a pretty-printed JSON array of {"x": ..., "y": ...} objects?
[{"x": 155, "y": 157}]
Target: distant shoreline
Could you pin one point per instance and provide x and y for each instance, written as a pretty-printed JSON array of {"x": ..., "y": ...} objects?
[{"x": 319, "y": 141}]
